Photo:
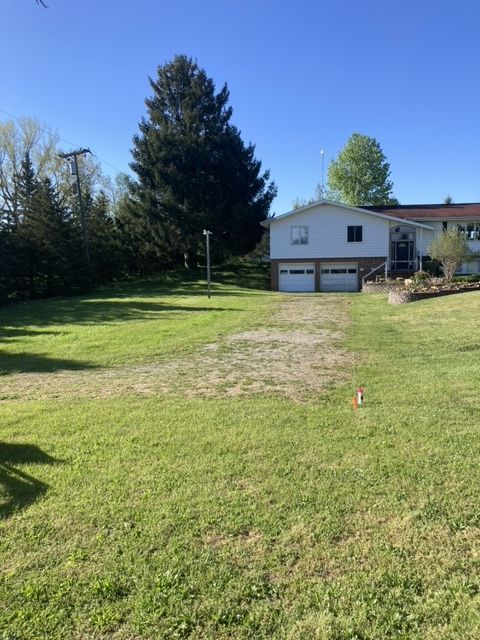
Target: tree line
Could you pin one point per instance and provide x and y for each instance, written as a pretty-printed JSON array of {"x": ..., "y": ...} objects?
[
  {"x": 191, "y": 171},
  {"x": 41, "y": 250}
]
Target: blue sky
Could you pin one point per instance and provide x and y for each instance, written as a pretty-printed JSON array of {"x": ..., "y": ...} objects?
[{"x": 303, "y": 76}]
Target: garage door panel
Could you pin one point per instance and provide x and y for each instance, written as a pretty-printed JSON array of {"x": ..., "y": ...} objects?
[
  {"x": 298, "y": 277},
  {"x": 339, "y": 277}
]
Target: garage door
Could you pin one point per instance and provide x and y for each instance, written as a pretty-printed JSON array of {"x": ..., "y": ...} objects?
[
  {"x": 338, "y": 277},
  {"x": 296, "y": 277}
]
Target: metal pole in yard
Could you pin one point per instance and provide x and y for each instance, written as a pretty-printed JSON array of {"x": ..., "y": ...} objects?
[{"x": 207, "y": 235}]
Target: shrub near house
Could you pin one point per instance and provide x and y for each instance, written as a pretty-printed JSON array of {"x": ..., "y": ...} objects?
[{"x": 450, "y": 248}]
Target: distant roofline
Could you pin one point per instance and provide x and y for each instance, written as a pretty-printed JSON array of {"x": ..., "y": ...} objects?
[{"x": 442, "y": 205}]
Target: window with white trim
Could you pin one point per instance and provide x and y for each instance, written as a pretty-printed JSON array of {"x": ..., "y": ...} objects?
[
  {"x": 355, "y": 233},
  {"x": 299, "y": 235}
]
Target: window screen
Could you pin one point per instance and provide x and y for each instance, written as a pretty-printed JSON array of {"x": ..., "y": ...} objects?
[{"x": 299, "y": 235}]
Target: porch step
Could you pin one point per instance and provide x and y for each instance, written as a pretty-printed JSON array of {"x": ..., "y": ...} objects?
[{"x": 400, "y": 274}]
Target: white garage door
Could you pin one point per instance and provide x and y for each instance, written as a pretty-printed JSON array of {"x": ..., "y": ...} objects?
[
  {"x": 296, "y": 277},
  {"x": 338, "y": 277}
]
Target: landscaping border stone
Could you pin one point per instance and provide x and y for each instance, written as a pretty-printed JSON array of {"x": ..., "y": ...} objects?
[
  {"x": 381, "y": 287},
  {"x": 402, "y": 296}
]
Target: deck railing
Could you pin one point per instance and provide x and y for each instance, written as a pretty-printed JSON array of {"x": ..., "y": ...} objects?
[
  {"x": 404, "y": 265},
  {"x": 384, "y": 265}
]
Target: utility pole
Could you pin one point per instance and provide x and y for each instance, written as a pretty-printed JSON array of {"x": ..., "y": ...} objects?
[
  {"x": 72, "y": 156},
  {"x": 207, "y": 235}
]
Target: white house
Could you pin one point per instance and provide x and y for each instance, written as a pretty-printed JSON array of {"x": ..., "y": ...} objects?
[{"x": 328, "y": 246}]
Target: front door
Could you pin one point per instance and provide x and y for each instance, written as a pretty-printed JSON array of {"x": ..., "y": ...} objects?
[{"x": 403, "y": 255}]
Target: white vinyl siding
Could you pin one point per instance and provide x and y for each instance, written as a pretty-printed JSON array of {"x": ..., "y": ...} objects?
[
  {"x": 327, "y": 234},
  {"x": 472, "y": 266},
  {"x": 424, "y": 237},
  {"x": 428, "y": 236}
]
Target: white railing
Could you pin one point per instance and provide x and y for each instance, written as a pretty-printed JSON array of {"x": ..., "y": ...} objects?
[
  {"x": 404, "y": 265},
  {"x": 380, "y": 266}
]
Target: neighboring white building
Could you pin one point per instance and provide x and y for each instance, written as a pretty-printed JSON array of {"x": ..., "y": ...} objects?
[{"x": 328, "y": 246}]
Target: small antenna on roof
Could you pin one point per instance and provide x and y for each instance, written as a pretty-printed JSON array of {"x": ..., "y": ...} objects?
[{"x": 322, "y": 186}]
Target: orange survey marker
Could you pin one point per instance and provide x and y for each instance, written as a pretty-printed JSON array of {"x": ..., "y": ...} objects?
[{"x": 358, "y": 399}]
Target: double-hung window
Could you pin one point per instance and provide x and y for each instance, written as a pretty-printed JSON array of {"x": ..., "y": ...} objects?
[
  {"x": 355, "y": 233},
  {"x": 300, "y": 235}
]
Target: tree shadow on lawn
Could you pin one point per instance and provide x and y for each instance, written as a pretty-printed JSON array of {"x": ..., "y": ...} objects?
[
  {"x": 33, "y": 363},
  {"x": 17, "y": 488},
  {"x": 254, "y": 278},
  {"x": 157, "y": 289},
  {"x": 12, "y": 334},
  {"x": 94, "y": 310},
  {"x": 119, "y": 302}
]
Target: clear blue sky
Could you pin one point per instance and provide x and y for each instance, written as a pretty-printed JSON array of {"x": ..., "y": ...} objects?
[{"x": 303, "y": 76}]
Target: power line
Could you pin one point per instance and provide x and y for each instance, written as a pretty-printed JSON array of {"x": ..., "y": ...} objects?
[{"x": 109, "y": 163}]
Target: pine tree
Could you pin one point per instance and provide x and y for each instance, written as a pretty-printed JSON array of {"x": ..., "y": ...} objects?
[
  {"x": 140, "y": 252},
  {"x": 55, "y": 249},
  {"x": 46, "y": 241},
  {"x": 26, "y": 226},
  {"x": 193, "y": 169},
  {"x": 106, "y": 259}
]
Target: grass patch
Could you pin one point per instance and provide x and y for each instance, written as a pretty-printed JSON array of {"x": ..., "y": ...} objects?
[
  {"x": 134, "y": 322},
  {"x": 245, "y": 517}
]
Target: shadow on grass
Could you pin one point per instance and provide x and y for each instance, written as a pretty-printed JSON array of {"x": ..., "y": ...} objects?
[
  {"x": 33, "y": 363},
  {"x": 119, "y": 302},
  {"x": 19, "y": 489},
  {"x": 93, "y": 310},
  {"x": 227, "y": 281},
  {"x": 11, "y": 334}
]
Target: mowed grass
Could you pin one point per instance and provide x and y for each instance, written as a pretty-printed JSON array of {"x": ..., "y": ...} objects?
[
  {"x": 169, "y": 517},
  {"x": 131, "y": 323}
]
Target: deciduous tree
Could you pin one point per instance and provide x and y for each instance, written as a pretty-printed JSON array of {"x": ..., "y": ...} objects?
[{"x": 360, "y": 175}]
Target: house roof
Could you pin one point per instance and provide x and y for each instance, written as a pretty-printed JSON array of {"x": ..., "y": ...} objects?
[
  {"x": 369, "y": 210},
  {"x": 464, "y": 211}
]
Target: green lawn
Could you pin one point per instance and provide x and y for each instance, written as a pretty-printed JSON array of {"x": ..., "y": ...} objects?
[{"x": 174, "y": 515}]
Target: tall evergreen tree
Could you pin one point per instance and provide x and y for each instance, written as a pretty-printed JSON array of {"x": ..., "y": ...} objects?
[
  {"x": 193, "y": 169},
  {"x": 46, "y": 246},
  {"x": 141, "y": 252},
  {"x": 28, "y": 251},
  {"x": 56, "y": 246},
  {"x": 107, "y": 261},
  {"x": 40, "y": 229}
]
